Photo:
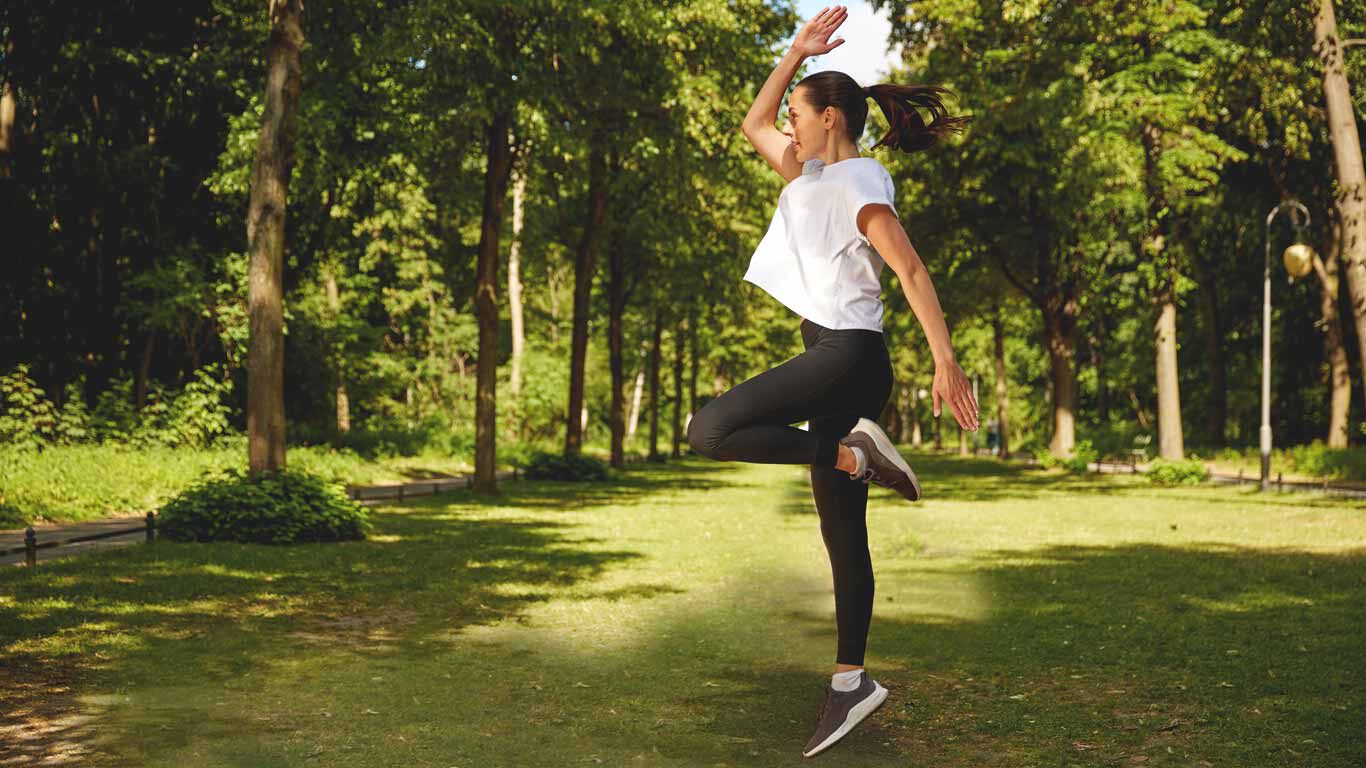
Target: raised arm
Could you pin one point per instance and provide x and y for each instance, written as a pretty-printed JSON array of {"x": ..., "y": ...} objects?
[
  {"x": 760, "y": 126},
  {"x": 885, "y": 232}
]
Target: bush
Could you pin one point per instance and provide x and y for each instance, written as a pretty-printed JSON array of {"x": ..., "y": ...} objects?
[
  {"x": 551, "y": 466},
  {"x": 27, "y": 418},
  {"x": 1082, "y": 455},
  {"x": 1046, "y": 458},
  {"x": 286, "y": 507},
  {"x": 1183, "y": 472}
]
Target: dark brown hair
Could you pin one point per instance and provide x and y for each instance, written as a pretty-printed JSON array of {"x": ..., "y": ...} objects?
[{"x": 908, "y": 132}]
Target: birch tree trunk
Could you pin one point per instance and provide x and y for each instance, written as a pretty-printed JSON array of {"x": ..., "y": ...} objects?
[
  {"x": 515, "y": 283},
  {"x": 343, "y": 402}
]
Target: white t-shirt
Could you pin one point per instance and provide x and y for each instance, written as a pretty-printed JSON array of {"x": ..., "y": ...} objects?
[{"x": 813, "y": 259}]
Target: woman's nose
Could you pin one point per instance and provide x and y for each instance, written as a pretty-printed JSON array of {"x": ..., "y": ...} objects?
[{"x": 787, "y": 130}]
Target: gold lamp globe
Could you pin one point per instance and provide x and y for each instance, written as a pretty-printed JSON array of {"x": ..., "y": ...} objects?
[{"x": 1299, "y": 260}]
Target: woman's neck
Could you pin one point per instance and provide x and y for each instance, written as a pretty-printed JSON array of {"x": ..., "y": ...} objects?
[{"x": 837, "y": 152}]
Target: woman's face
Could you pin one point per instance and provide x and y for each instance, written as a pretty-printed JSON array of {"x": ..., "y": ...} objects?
[{"x": 805, "y": 126}]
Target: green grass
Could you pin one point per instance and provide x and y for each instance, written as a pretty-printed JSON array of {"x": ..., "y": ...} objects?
[
  {"x": 1312, "y": 462},
  {"x": 684, "y": 617},
  {"x": 73, "y": 483}
]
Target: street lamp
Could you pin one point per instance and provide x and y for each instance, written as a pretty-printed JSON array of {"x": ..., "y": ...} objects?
[{"x": 1299, "y": 259}]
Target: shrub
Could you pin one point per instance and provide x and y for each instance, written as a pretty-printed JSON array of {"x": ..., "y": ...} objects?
[
  {"x": 1171, "y": 472},
  {"x": 193, "y": 417},
  {"x": 1046, "y": 458},
  {"x": 27, "y": 417},
  {"x": 551, "y": 466},
  {"x": 286, "y": 507},
  {"x": 1082, "y": 455}
]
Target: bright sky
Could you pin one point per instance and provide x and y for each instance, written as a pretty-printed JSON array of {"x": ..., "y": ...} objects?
[{"x": 864, "y": 55}]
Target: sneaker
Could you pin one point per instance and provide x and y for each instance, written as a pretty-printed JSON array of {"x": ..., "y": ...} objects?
[
  {"x": 885, "y": 467},
  {"x": 842, "y": 711}
]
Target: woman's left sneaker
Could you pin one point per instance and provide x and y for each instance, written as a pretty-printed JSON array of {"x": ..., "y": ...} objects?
[
  {"x": 885, "y": 467},
  {"x": 842, "y": 711}
]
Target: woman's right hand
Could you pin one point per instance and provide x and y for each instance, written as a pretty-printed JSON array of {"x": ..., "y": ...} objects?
[
  {"x": 951, "y": 386},
  {"x": 813, "y": 39}
]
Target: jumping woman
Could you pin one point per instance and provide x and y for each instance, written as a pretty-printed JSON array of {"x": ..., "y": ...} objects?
[{"x": 835, "y": 227}]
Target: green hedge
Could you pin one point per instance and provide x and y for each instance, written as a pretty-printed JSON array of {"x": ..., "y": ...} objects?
[{"x": 286, "y": 507}]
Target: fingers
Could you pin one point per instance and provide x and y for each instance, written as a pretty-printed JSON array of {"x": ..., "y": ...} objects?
[{"x": 830, "y": 16}]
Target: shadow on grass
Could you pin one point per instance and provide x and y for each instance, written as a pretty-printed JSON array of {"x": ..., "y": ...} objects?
[
  {"x": 209, "y": 614},
  {"x": 1053, "y": 655},
  {"x": 1199, "y": 655},
  {"x": 1231, "y": 655}
]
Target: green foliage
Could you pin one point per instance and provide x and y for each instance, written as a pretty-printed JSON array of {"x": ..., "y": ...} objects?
[
  {"x": 544, "y": 465},
  {"x": 27, "y": 417},
  {"x": 288, "y": 507},
  {"x": 1083, "y": 453},
  {"x": 1176, "y": 472},
  {"x": 193, "y": 417}
]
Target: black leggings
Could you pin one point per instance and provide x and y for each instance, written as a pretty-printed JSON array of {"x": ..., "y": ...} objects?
[{"x": 842, "y": 375}]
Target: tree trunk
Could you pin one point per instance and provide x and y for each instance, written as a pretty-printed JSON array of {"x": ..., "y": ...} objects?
[
  {"x": 678, "y": 436},
  {"x": 486, "y": 304},
  {"x": 1339, "y": 380},
  {"x": 917, "y": 439},
  {"x": 266, "y": 241},
  {"x": 8, "y": 107},
  {"x": 1217, "y": 416},
  {"x": 635, "y": 401},
  {"x": 1097, "y": 344},
  {"x": 343, "y": 402},
  {"x": 616, "y": 306},
  {"x": 1169, "y": 437},
  {"x": 654, "y": 386},
  {"x": 515, "y": 283},
  {"x": 584, "y": 264},
  {"x": 1060, "y": 328},
  {"x": 1002, "y": 387},
  {"x": 692, "y": 366},
  {"x": 144, "y": 371},
  {"x": 1351, "y": 200}
]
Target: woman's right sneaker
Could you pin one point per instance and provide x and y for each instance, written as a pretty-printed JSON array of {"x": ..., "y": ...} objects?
[{"x": 885, "y": 466}]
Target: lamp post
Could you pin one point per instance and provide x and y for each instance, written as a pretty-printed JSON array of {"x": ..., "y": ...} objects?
[{"x": 1299, "y": 259}]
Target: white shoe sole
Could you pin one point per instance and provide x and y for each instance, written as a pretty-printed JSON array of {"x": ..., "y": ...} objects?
[
  {"x": 855, "y": 716},
  {"x": 884, "y": 444}
]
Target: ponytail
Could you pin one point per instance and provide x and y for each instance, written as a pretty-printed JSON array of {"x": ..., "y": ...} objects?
[{"x": 908, "y": 131}]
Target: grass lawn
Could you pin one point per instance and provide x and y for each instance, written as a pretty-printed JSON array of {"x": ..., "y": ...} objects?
[{"x": 685, "y": 617}]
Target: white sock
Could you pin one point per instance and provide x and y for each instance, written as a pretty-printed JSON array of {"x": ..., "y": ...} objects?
[
  {"x": 845, "y": 681},
  {"x": 861, "y": 461}
]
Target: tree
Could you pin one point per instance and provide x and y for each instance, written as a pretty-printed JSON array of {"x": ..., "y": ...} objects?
[{"x": 266, "y": 240}]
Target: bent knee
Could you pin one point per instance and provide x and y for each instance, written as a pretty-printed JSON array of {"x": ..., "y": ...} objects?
[{"x": 702, "y": 437}]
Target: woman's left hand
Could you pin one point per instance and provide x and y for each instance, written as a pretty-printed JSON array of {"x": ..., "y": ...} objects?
[{"x": 951, "y": 385}]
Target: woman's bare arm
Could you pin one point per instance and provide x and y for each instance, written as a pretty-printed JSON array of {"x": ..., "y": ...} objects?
[
  {"x": 760, "y": 123},
  {"x": 759, "y": 126},
  {"x": 885, "y": 232}
]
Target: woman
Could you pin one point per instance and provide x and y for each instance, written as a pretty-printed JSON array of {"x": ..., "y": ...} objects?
[{"x": 835, "y": 227}]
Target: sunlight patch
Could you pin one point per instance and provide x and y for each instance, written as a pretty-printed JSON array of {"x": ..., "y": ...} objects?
[{"x": 1259, "y": 599}]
